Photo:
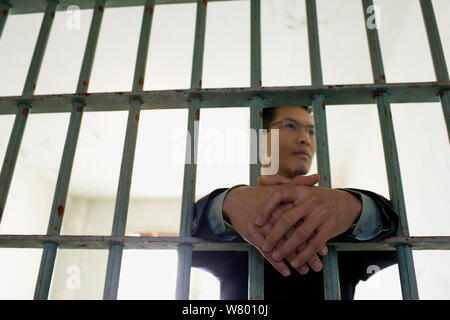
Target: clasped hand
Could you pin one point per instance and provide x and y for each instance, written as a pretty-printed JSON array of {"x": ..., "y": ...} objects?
[{"x": 293, "y": 219}]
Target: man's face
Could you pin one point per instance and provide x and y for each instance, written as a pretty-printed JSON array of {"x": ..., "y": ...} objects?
[{"x": 296, "y": 149}]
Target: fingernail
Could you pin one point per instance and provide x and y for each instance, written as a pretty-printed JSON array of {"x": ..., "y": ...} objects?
[
  {"x": 303, "y": 270},
  {"x": 295, "y": 263},
  {"x": 259, "y": 221},
  {"x": 323, "y": 250},
  {"x": 286, "y": 272},
  {"x": 316, "y": 265},
  {"x": 266, "y": 247},
  {"x": 276, "y": 255}
]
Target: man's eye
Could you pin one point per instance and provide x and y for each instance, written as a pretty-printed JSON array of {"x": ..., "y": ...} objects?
[
  {"x": 290, "y": 126},
  {"x": 311, "y": 132}
]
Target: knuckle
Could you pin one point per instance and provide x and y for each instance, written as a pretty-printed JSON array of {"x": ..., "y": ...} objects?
[
  {"x": 316, "y": 245},
  {"x": 301, "y": 233}
]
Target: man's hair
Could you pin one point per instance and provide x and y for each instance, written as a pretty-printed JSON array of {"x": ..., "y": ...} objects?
[{"x": 269, "y": 115}]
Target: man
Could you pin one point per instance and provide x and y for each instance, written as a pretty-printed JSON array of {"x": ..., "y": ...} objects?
[{"x": 290, "y": 220}]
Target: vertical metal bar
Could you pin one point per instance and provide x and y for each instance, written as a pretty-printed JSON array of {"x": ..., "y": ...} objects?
[
  {"x": 126, "y": 169},
  {"x": 65, "y": 169},
  {"x": 23, "y": 109},
  {"x": 255, "y": 259},
  {"x": 5, "y": 8},
  {"x": 440, "y": 67},
  {"x": 190, "y": 168},
  {"x": 330, "y": 264},
  {"x": 406, "y": 263}
]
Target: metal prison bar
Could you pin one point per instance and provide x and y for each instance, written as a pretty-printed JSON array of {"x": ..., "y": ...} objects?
[{"x": 317, "y": 95}]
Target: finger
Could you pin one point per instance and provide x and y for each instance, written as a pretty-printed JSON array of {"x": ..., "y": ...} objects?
[
  {"x": 324, "y": 250},
  {"x": 281, "y": 194},
  {"x": 284, "y": 194},
  {"x": 311, "y": 248},
  {"x": 308, "y": 180},
  {"x": 272, "y": 179},
  {"x": 288, "y": 221},
  {"x": 315, "y": 263},
  {"x": 303, "y": 233},
  {"x": 280, "y": 266},
  {"x": 276, "y": 215},
  {"x": 303, "y": 270}
]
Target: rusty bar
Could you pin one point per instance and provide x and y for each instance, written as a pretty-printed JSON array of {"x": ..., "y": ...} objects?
[
  {"x": 255, "y": 259},
  {"x": 165, "y": 242},
  {"x": 406, "y": 262},
  {"x": 33, "y": 6},
  {"x": 440, "y": 66},
  {"x": 126, "y": 169},
  {"x": 141, "y": 59},
  {"x": 5, "y": 9},
  {"x": 122, "y": 201},
  {"x": 190, "y": 167},
  {"x": 349, "y": 94},
  {"x": 65, "y": 169},
  {"x": 12, "y": 152},
  {"x": 331, "y": 281},
  {"x": 23, "y": 109},
  {"x": 39, "y": 50}
]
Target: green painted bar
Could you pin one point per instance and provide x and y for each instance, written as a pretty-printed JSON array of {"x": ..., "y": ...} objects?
[
  {"x": 190, "y": 167},
  {"x": 434, "y": 40},
  {"x": 440, "y": 67},
  {"x": 122, "y": 201},
  {"x": 39, "y": 51},
  {"x": 65, "y": 169},
  {"x": 255, "y": 259},
  {"x": 406, "y": 262},
  {"x": 187, "y": 204},
  {"x": 141, "y": 59},
  {"x": 113, "y": 272},
  {"x": 314, "y": 43},
  {"x": 12, "y": 152},
  {"x": 331, "y": 281},
  {"x": 5, "y": 9},
  {"x": 32, "y": 6},
  {"x": 126, "y": 170},
  {"x": 165, "y": 243},
  {"x": 230, "y": 97},
  {"x": 45, "y": 271},
  {"x": 23, "y": 109}
]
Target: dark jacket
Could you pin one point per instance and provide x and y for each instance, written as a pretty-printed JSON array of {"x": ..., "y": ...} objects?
[{"x": 231, "y": 267}]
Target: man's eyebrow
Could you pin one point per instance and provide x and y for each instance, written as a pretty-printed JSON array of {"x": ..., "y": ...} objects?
[{"x": 292, "y": 119}]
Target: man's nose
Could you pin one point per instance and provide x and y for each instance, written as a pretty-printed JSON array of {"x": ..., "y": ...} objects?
[{"x": 303, "y": 136}]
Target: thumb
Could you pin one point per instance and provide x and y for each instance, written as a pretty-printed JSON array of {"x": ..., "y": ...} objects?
[{"x": 271, "y": 180}]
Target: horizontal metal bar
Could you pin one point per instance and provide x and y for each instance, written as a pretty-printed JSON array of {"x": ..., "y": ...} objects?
[
  {"x": 133, "y": 242},
  {"x": 410, "y": 92},
  {"x": 33, "y": 6}
]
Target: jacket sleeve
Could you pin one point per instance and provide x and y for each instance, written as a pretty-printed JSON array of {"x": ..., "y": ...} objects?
[
  {"x": 200, "y": 226},
  {"x": 389, "y": 217},
  {"x": 360, "y": 265}
]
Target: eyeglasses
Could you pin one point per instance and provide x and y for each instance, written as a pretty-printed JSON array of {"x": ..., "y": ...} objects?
[{"x": 293, "y": 126}]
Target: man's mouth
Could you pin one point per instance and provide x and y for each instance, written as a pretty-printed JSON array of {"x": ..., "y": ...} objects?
[{"x": 302, "y": 154}]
